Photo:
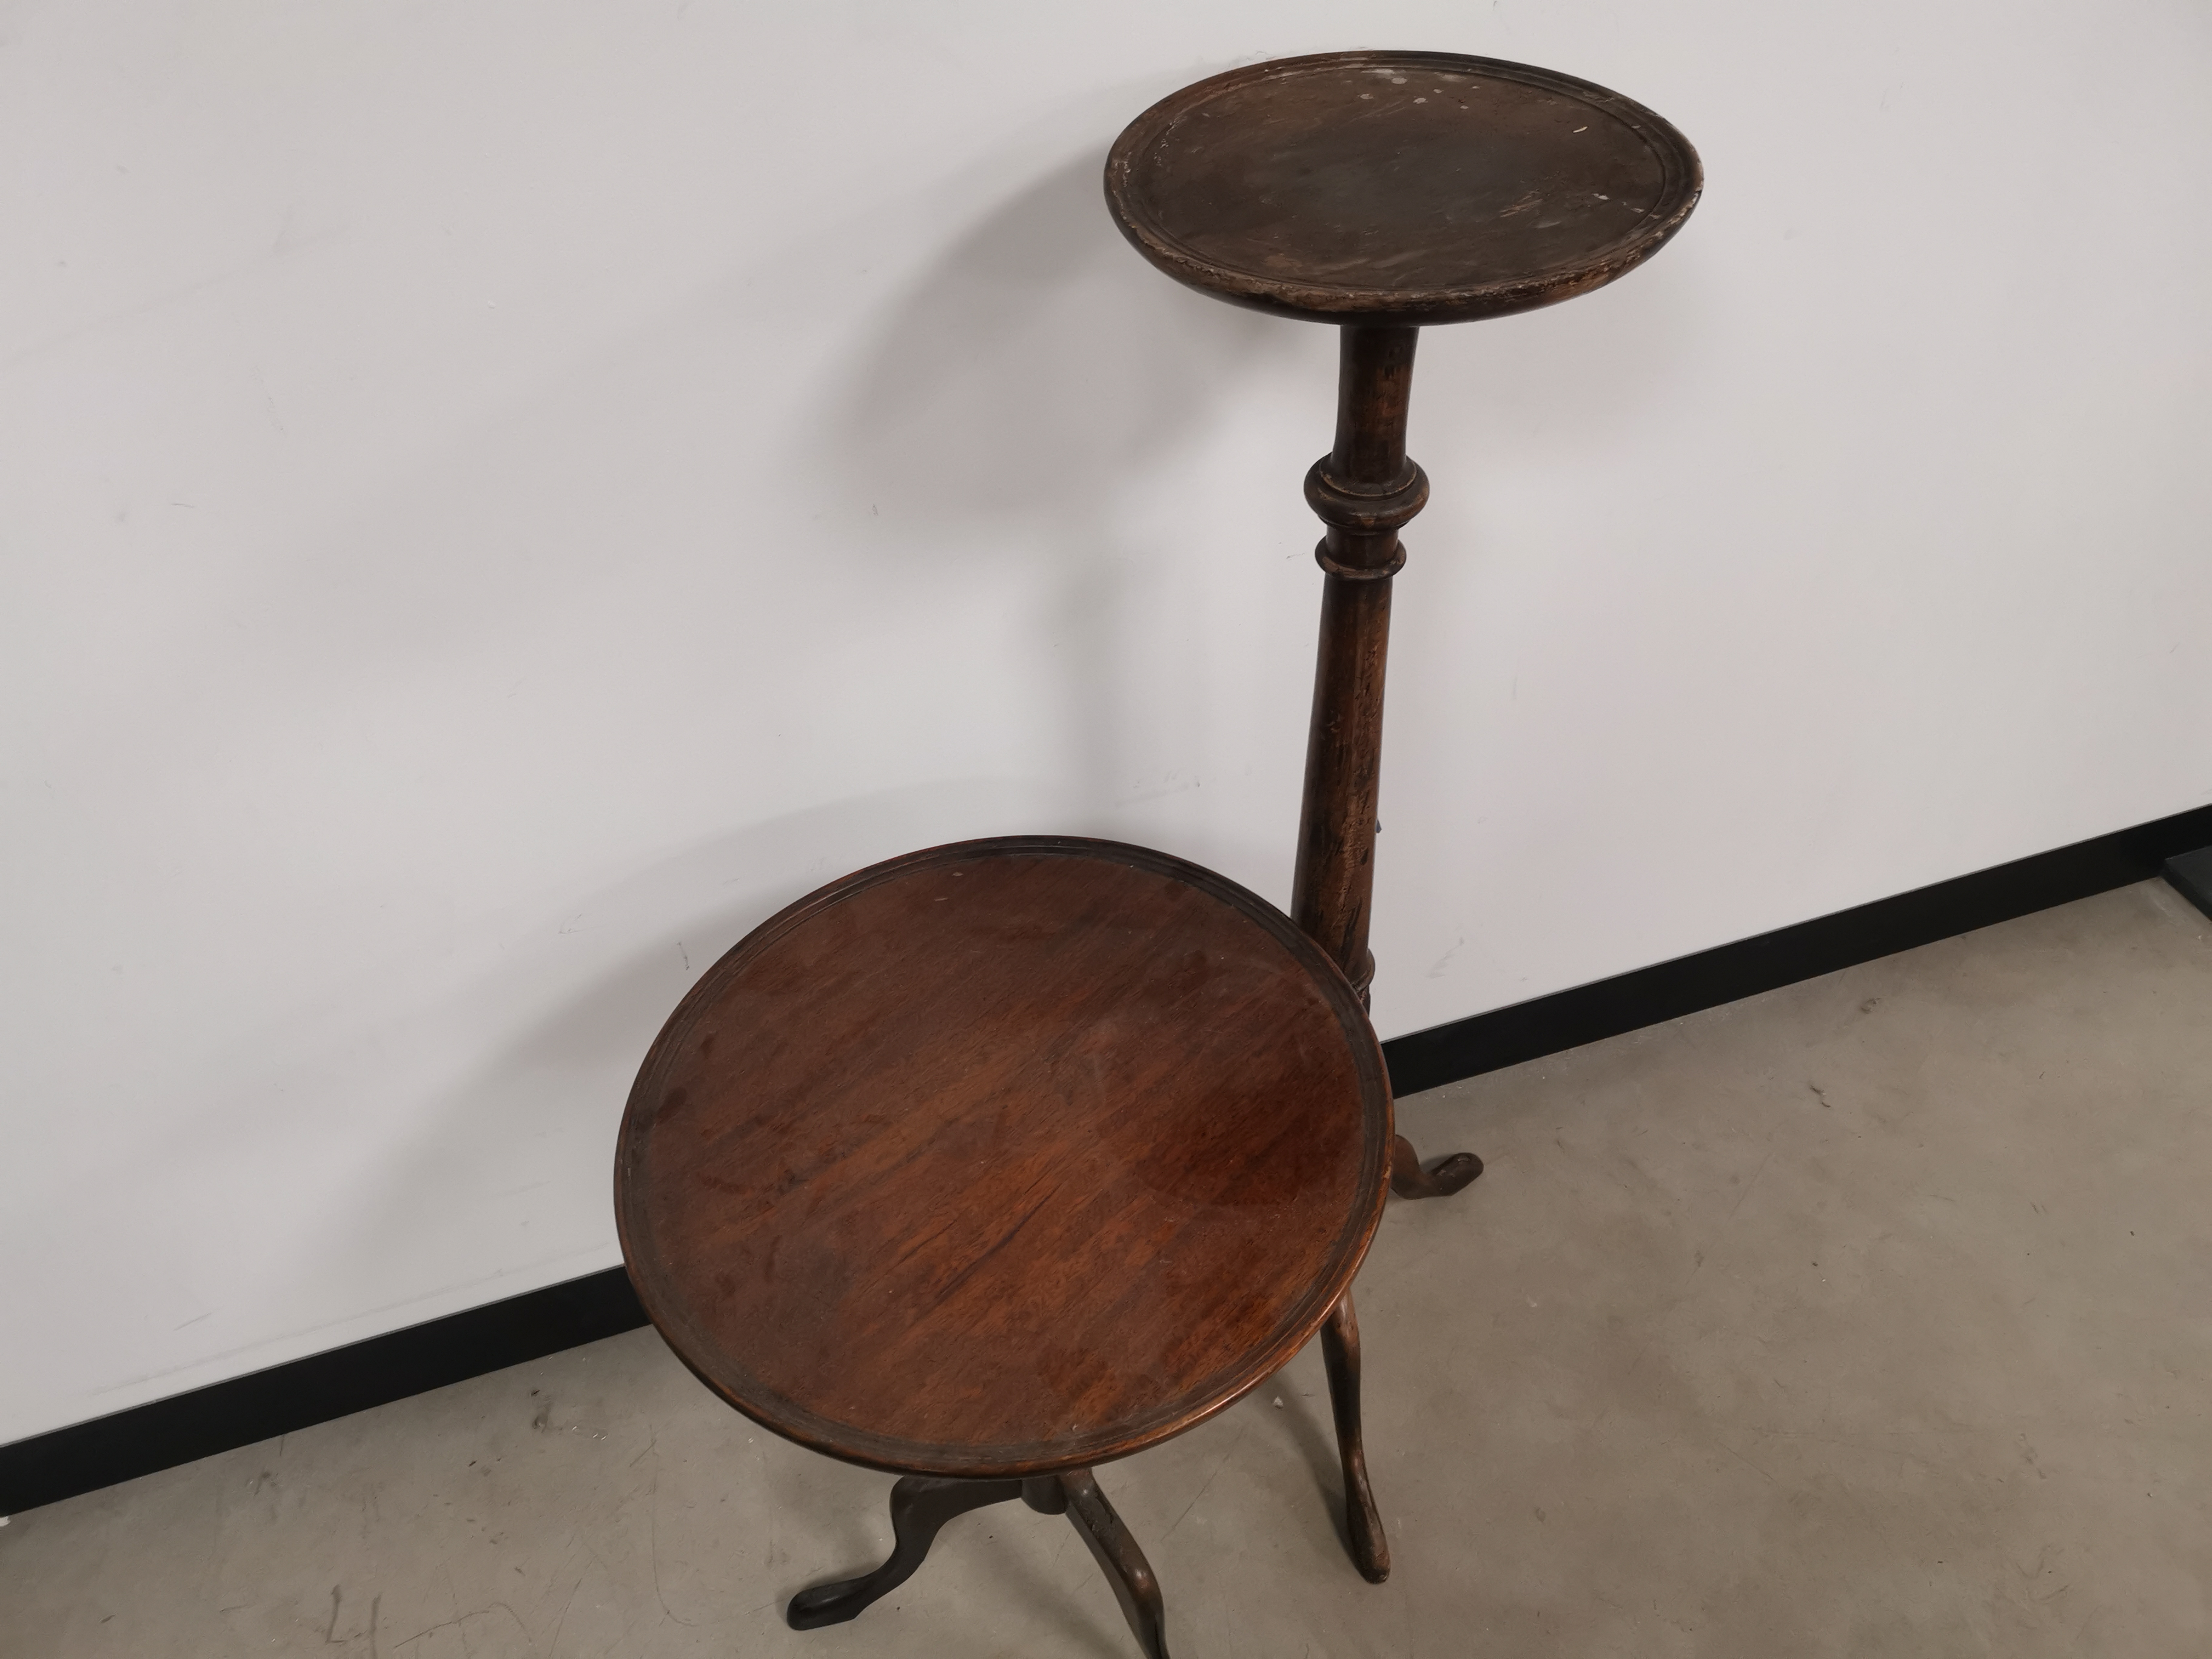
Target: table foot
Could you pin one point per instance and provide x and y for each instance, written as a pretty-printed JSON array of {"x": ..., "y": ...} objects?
[
  {"x": 920, "y": 1505},
  {"x": 1119, "y": 1558},
  {"x": 1439, "y": 1180},
  {"x": 1339, "y": 1349}
]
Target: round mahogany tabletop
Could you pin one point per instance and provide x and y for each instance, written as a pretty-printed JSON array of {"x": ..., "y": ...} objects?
[
  {"x": 1004, "y": 1158},
  {"x": 1399, "y": 186}
]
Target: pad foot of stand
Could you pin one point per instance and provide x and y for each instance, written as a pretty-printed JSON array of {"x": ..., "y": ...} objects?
[
  {"x": 1447, "y": 1176},
  {"x": 1363, "y": 1520},
  {"x": 920, "y": 1505}
]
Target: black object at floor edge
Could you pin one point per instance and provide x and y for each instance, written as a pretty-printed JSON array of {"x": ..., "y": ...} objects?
[
  {"x": 2190, "y": 874},
  {"x": 283, "y": 1399}
]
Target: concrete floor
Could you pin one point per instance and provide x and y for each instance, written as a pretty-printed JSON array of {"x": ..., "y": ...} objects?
[{"x": 1871, "y": 1316}]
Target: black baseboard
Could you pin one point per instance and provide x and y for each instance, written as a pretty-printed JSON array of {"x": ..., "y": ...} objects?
[
  {"x": 1668, "y": 990},
  {"x": 284, "y": 1398},
  {"x": 261, "y": 1406}
]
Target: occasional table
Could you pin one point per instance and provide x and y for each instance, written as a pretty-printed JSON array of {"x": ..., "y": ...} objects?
[
  {"x": 1381, "y": 191},
  {"x": 999, "y": 1161}
]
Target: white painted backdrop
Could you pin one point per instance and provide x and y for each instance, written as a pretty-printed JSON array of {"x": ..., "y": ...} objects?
[{"x": 499, "y": 497}]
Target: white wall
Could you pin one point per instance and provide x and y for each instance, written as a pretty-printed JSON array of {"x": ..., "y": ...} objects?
[{"x": 500, "y": 497}]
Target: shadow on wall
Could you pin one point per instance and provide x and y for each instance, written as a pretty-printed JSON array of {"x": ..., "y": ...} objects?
[
  {"x": 995, "y": 409},
  {"x": 1006, "y": 400},
  {"x": 1037, "y": 365},
  {"x": 559, "y": 1035}
]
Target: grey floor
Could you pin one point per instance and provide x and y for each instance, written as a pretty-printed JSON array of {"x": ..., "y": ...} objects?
[{"x": 1871, "y": 1316}]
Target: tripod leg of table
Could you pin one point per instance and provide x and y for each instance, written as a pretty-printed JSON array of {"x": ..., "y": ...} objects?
[
  {"x": 1440, "y": 1180},
  {"x": 1122, "y": 1562},
  {"x": 920, "y": 1505},
  {"x": 1339, "y": 1349}
]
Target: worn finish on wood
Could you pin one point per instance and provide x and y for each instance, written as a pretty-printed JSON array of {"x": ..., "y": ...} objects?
[
  {"x": 1383, "y": 191},
  {"x": 920, "y": 1505},
  {"x": 1004, "y": 1158},
  {"x": 1399, "y": 186},
  {"x": 1411, "y": 1178},
  {"x": 1120, "y": 1559},
  {"x": 1364, "y": 489},
  {"x": 1362, "y": 1521}
]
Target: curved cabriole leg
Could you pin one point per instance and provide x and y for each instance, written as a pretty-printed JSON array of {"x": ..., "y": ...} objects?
[
  {"x": 1118, "y": 1556},
  {"x": 920, "y": 1504},
  {"x": 1440, "y": 1180},
  {"x": 1339, "y": 1349}
]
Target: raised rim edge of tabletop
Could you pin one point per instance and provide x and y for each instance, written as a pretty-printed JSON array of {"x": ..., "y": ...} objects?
[
  {"x": 1347, "y": 303},
  {"x": 899, "y": 1457}
]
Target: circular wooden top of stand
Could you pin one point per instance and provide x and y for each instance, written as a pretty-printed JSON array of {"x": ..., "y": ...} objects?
[
  {"x": 1399, "y": 186},
  {"x": 1004, "y": 1158}
]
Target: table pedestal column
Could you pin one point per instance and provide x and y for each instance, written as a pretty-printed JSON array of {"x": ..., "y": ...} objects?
[{"x": 1364, "y": 489}]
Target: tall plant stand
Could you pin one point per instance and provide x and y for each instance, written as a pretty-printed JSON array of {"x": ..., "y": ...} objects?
[{"x": 1381, "y": 192}]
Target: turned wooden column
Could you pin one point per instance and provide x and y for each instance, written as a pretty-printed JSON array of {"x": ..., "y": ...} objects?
[
  {"x": 1365, "y": 490},
  {"x": 1384, "y": 191}
]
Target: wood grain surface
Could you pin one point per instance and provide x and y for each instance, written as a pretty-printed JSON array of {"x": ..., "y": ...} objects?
[
  {"x": 1399, "y": 186},
  {"x": 1004, "y": 1158}
]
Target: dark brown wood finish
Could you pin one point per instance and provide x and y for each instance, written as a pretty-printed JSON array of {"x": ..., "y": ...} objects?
[
  {"x": 1365, "y": 490},
  {"x": 1005, "y": 1159},
  {"x": 1439, "y": 1178},
  {"x": 1339, "y": 1350},
  {"x": 1399, "y": 186},
  {"x": 921, "y": 1505},
  {"x": 1381, "y": 190},
  {"x": 1120, "y": 1559}
]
